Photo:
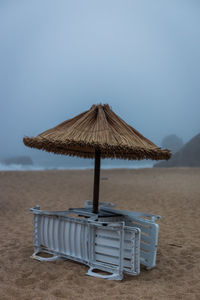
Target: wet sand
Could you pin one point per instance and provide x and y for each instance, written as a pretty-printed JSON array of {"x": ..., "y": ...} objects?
[{"x": 172, "y": 193}]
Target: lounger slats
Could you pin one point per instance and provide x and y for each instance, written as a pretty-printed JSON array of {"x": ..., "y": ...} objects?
[
  {"x": 107, "y": 242},
  {"x": 144, "y": 229},
  {"x": 63, "y": 236},
  {"x": 107, "y": 233},
  {"x": 149, "y": 240}
]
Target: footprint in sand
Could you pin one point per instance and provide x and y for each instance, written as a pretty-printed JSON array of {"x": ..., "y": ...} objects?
[
  {"x": 58, "y": 293},
  {"x": 21, "y": 282}
]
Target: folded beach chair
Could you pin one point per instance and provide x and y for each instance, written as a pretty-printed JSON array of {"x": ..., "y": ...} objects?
[
  {"x": 114, "y": 248},
  {"x": 149, "y": 233},
  {"x": 144, "y": 221}
]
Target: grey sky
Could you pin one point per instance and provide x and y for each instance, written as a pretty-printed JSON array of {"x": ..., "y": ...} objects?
[{"x": 57, "y": 58}]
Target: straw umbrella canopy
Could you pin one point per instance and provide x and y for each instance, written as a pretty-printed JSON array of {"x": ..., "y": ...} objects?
[{"x": 95, "y": 133}]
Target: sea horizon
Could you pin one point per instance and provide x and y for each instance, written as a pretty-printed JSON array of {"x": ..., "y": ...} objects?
[{"x": 76, "y": 165}]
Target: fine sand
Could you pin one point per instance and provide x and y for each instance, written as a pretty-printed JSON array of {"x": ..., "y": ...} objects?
[{"x": 172, "y": 193}]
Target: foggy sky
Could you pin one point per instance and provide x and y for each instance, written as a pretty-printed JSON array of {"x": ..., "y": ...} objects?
[{"x": 57, "y": 58}]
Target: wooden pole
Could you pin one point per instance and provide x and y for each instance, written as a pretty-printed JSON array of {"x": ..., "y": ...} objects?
[{"x": 96, "y": 180}]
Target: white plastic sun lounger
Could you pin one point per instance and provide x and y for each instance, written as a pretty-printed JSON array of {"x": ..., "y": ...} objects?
[
  {"x": 145, "y": 222},
  {"x": 149, "y": 233},
  {"x": 107, "y": 246},
  {"x": 114, "y": 248}
]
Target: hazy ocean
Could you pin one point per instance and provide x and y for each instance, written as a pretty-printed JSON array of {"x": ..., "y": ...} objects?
[{"x": 71, "y": 163}]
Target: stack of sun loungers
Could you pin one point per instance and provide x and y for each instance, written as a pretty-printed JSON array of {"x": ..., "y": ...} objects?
[{"x": 113, "y": 242}]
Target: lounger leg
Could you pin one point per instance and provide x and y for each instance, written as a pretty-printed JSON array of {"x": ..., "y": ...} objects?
[
  {"x": 40, "y": 258},
  {"x": 112, "y": 276}
]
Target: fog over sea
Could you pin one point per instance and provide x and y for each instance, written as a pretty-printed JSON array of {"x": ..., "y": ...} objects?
[{"x": 72, "y": 163}]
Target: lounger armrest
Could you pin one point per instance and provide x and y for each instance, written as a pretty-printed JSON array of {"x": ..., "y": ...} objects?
[
  {"x": 36, "y": 210},
  {"x": 133, "y": 213}
]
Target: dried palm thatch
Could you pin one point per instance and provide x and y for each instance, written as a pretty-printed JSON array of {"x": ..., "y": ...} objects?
[{"x": 98, "y": 128}]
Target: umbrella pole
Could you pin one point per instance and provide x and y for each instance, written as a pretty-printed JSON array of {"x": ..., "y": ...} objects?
[{"x": 96, "y": 181}]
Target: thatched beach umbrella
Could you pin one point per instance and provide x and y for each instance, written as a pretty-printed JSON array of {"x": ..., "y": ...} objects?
[{"x": 95, "y": 133}]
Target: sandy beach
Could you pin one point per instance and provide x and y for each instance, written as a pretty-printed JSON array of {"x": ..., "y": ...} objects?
[{"x": 172, "y": 193}]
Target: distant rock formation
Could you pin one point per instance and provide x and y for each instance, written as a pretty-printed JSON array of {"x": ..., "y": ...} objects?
[
  {"x": 187, "y": 156},
  {"x": 18, "y": 160},
  {"x": 172, "y": 142}
]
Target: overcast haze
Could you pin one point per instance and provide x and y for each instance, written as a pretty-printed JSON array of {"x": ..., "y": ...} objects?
[{"x": 57, "y": 58}]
